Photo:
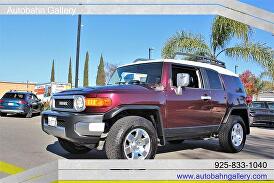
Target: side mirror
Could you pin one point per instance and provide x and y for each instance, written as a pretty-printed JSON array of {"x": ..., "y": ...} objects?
[{"x": 183, "y": 80}]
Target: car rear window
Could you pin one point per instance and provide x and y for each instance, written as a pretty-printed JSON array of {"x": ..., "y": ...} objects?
[
  {"x": 258, "y": 105},
  {"x": 14, "y": 95}
]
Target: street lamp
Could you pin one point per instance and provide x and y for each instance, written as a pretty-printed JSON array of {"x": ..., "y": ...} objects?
[
  {"x": 236, "y": 66},
  {"x": 78, "y": 50},
  {"x": 149, "y": 52}
]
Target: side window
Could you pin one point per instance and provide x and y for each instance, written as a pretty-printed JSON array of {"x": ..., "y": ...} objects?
[
  {"x": 213, "y": 79},
  {"x": 34, "y": 97},
  {"x": 195, "y": 81}
]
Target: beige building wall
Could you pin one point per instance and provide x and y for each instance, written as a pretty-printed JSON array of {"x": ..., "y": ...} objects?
[{"x": 7, "y": 86}]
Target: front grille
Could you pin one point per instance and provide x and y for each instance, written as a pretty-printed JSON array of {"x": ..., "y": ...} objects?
[{"x": 63, "y": 103}]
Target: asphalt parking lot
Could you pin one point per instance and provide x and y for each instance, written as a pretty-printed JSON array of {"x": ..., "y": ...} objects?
[{"x": 23, "y": 144}]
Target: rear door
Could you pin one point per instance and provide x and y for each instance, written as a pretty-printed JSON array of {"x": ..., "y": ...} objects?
[{"x": 217, "y": 95}]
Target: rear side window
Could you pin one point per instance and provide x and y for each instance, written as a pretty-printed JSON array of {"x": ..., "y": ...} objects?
[
  {"x": 213, "y": 79},
  {"x": 233, "y": 84},
  {"x": 258, "y": 105},
  {"x": 14, "y": 96}
]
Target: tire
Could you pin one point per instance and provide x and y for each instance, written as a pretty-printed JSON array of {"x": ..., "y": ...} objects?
[
  {"x": 131, "y": 133},
  {"x": 72, "y": 147},
  {"x": 3, "y": 114},
  {"x": 176, "y": 141},
  {"x": 229, "y": 142},
  {"x": 29, "y": 114}
]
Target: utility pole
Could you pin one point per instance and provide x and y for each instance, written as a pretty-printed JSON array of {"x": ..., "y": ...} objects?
[
  {"x": 149, "y": 52},
  {"x": 236, "y": 66},
  {"x": 78, "y": 51}
]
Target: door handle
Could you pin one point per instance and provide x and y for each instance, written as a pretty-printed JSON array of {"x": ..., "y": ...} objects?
[{"x": 206, "y": 97}]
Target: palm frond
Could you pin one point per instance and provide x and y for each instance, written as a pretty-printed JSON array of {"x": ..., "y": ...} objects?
[
  {"x": 257, "y": 52},
  {"x": 224, "y": 29},
  {"x": 185, "y": 42}
]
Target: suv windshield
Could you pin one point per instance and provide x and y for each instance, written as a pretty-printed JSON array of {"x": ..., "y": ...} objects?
[
  {"x": 258, "y": 105},
  {"x": 14, "y": 96},
  {"x": 148, "y": 73}
]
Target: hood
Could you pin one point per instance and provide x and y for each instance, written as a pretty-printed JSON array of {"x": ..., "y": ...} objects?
[{"x": 106, "y": 89}]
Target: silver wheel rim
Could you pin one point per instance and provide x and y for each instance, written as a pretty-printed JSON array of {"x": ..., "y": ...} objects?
[
  {"x": 137, "y": 144},
  {"x": 237, "y": 134}
]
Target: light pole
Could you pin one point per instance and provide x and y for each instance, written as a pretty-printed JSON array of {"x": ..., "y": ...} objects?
[
  {"x": 149, "y": 52},
  {"x": 78, "y": 50},
  {"x": 236, "y": 66}
]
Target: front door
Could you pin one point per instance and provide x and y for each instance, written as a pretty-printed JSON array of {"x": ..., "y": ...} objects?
[{"x": 192, "y": 107}]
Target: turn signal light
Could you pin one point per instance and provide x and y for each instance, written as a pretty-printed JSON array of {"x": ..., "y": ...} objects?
[{"x": 98, "y": 102}]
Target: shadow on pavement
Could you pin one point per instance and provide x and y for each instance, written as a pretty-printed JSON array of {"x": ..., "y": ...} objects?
[
  {"x": 256, "y": 145},
  {"x": 55, "y": 148}
]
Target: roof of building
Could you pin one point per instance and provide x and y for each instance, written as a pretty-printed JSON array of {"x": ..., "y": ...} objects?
[{"x": 219, "y": 69}]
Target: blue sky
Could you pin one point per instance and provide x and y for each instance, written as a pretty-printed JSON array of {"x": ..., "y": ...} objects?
[{"x": 28, "y": 44}]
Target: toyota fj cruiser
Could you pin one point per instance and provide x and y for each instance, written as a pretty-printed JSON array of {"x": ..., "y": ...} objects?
[{"x": 151, "y": 103}]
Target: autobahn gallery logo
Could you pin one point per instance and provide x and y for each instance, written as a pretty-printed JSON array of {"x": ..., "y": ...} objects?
[{"x": 51, "y": 10}]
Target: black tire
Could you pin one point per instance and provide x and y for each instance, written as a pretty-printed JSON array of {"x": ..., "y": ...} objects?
[
  {"x": 120, "y": 130},
  {"x": 176, "y": 141},
  {"x": 72, "y": 147},
  {"x": 225, "y": 137},
  {"x": 29, "y": 114},
  {"x": 3, "y": 114}
]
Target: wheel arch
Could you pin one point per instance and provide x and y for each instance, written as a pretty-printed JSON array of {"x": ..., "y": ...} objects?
[
  {"x": 150, "y": 112},
  {"x": 243, "y": 112}
]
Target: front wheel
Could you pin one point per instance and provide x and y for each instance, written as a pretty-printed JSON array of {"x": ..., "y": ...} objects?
[
  {"x": 72, "y": 147},
  {"x": 232, "y": 134},
  {"x": 132, "y": 137}
]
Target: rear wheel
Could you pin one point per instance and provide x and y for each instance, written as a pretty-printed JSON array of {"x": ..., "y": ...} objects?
[
  {"x": 3, "y": 114},
  {"x": 132, "y": 137},
  {"x": 72, "y": 147},
  {"x": 232, "y": 134},
  {"x": 29, "y": 114}
]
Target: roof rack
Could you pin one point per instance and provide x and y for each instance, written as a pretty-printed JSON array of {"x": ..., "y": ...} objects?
[
  {"x": 203, "y": 59},
  {"x": 140, "y": 59}
]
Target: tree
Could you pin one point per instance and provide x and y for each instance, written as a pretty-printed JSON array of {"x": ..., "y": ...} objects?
[
  {"x": 222, "y": 32},
  {"x": 253, "y": 85},
  {"x": 52, "y": 76},
  {"x": 109, "y": 70},
  {"x": 70, "y": 72},
  {"x": 101, "y": 76},
  {"x": 86, "y": 80}
]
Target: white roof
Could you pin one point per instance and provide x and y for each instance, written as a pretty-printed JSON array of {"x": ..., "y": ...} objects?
[{"x": 219, "y": 69}]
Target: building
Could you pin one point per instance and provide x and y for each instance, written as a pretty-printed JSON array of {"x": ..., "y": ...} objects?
[{"x": 7, "y": 86}]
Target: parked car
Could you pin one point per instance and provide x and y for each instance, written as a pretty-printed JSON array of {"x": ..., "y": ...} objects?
[
  {"x": 262, "y": 112},
  {"x": 19, "y": 102},
  {"x": 150, "y": 103}
]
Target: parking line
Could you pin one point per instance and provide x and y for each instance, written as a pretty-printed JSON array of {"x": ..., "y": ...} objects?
[{"x": 9, "y": 168}]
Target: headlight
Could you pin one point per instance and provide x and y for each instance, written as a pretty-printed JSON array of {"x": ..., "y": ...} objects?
[{"x": 79, "y": 103}]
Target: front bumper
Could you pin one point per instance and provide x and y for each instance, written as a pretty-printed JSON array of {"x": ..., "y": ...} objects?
[{"x": 75, "y": 127}]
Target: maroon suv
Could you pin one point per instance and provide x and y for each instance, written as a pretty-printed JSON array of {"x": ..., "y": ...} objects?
[{"x": 150, "y": 103}]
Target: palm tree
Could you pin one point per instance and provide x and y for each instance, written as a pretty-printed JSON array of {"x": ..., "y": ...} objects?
[{"x": 222, "y": 32}]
